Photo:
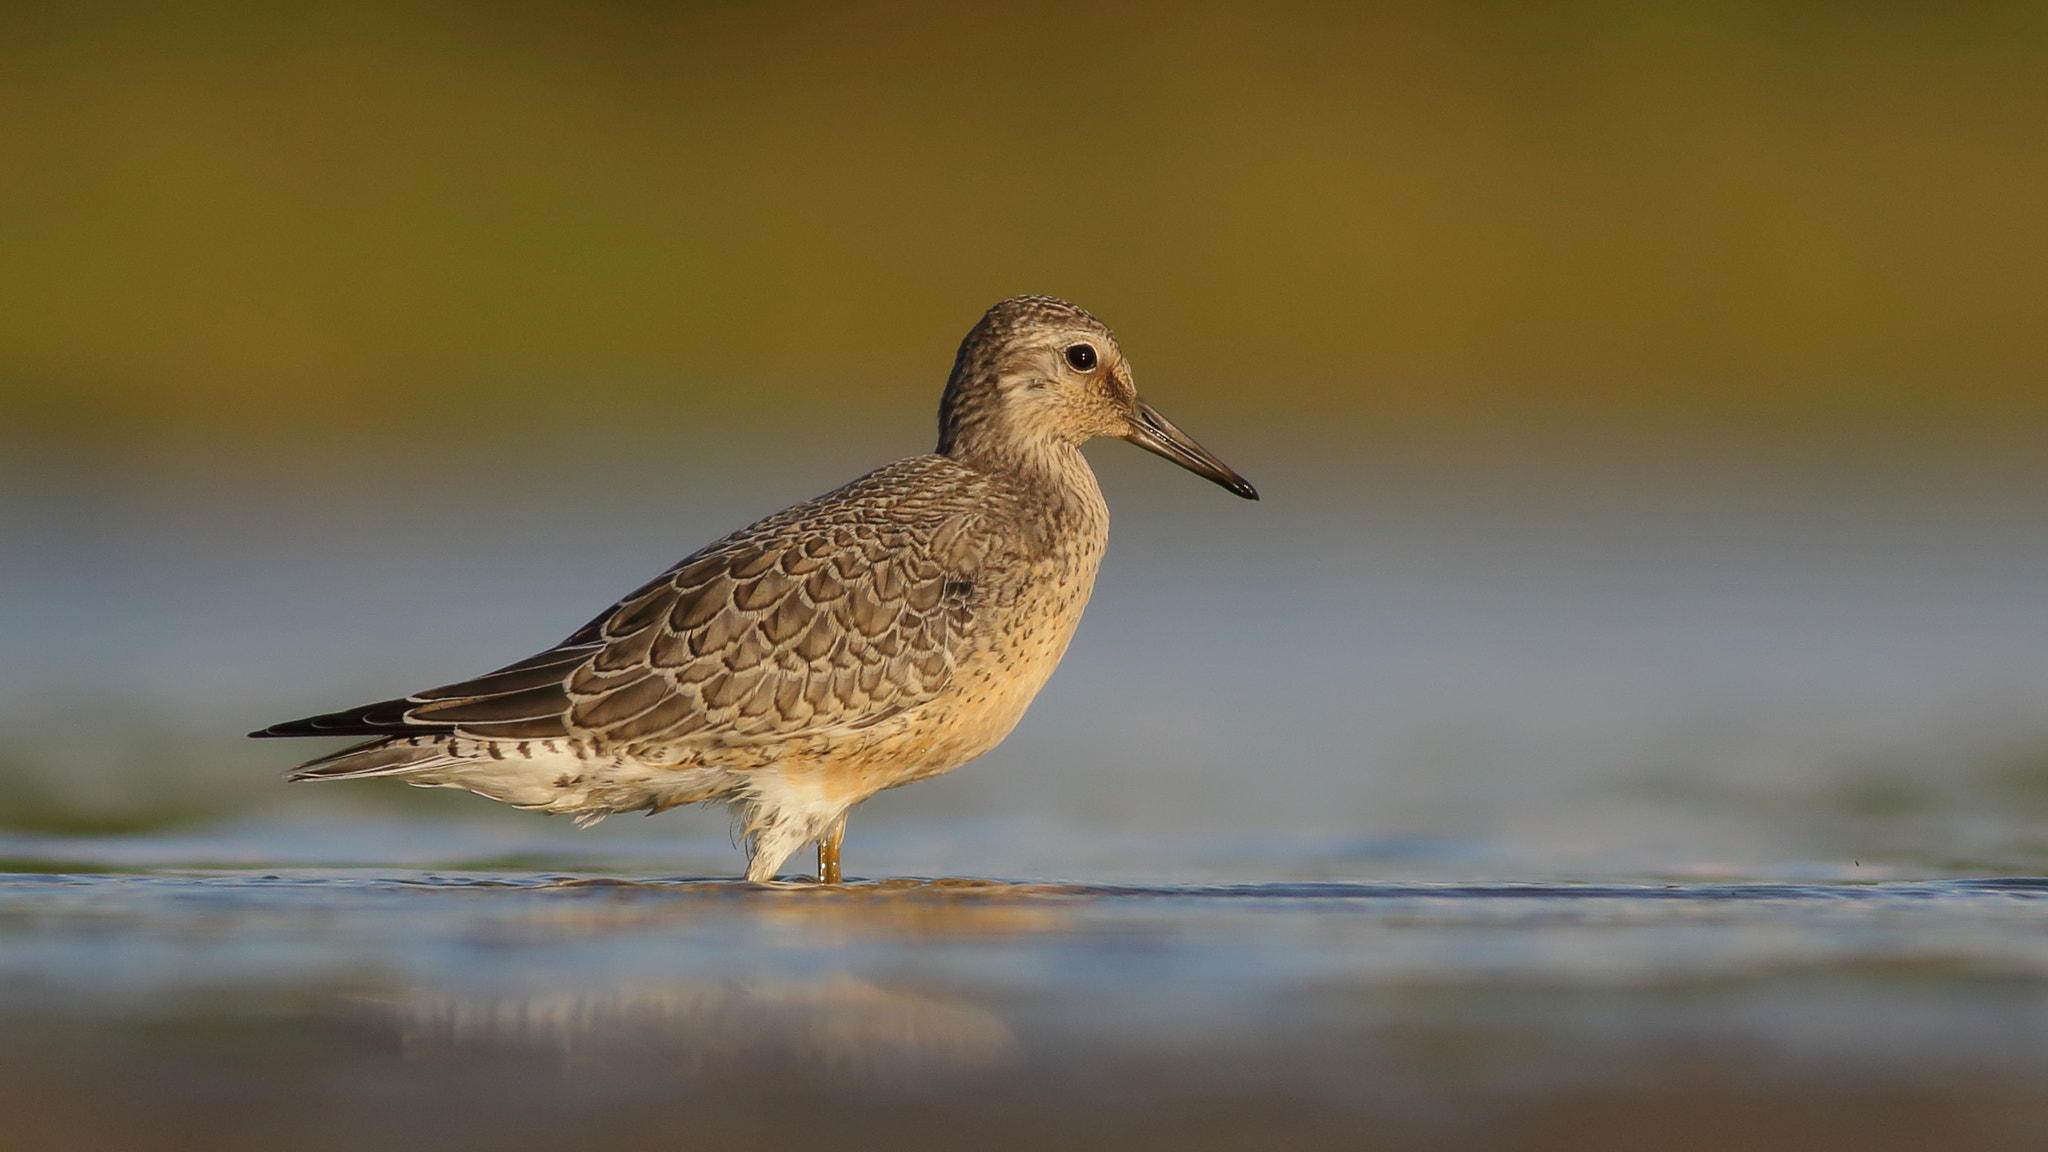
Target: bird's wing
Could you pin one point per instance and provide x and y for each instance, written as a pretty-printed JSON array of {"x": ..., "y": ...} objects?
[{"x": 795, "y": 626}]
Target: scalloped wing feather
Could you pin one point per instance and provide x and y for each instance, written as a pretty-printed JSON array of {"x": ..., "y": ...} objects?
[{"x": 832, "y": 615}]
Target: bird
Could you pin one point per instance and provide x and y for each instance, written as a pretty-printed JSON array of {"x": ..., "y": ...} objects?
[{"x": 883, "y": 633}]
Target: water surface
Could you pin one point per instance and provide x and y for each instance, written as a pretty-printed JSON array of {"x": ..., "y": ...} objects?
[
  {"x": 1671, "y": 806},
  {"x": 408, "y": 1009}
]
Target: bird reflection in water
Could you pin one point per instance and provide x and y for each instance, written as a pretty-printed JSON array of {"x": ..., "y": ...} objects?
[
  {"x": 888, "y": 909},
  {"x": 839, "y": 1026}
]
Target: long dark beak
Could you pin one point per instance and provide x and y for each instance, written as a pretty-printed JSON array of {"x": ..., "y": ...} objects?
[{"x": 1155, "y": 433}]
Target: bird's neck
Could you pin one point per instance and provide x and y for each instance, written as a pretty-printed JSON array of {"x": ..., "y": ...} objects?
[{"x": 1050, "y": 470}]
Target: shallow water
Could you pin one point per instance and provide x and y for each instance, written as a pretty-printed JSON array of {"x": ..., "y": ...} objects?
[
  {"x": 403, "y": 1009},
  {"x": 1674, "y": 806}
]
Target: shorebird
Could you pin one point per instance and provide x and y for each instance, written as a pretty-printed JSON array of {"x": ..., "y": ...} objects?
[{"x": 883, "y": 633}]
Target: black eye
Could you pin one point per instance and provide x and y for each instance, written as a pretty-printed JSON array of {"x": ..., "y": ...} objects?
[{"x": 1082, "y": 357}]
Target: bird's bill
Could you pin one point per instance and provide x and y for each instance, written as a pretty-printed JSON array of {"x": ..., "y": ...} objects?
[{"x": 1155, "y": 433}]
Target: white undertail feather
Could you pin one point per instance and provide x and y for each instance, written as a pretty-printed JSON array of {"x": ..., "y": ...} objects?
[
  {"x": 538, "y": 775},
  {"x": 776, "y": 812}
]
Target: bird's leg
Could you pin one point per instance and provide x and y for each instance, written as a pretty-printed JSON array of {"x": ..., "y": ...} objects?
[{"x": 828, "y": 852}]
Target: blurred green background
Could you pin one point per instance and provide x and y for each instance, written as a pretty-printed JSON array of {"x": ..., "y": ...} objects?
[{"x": 1815, "y": 219}]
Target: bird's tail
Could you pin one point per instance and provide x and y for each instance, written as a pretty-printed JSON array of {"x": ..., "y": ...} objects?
[{"x": 384, "y": 756}]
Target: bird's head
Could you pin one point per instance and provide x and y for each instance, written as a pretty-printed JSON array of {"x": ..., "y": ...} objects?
[{"x": 1038, "y": 370}]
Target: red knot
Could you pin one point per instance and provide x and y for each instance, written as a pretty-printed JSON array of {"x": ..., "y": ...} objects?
[{"x": 885, "y": 632}]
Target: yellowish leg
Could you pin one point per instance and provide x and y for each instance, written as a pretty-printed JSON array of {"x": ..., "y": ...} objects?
[{"x": 828, "y": 852}]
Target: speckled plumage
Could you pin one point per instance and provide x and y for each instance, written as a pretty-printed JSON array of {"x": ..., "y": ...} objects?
[{"x": 882, "y": 633}]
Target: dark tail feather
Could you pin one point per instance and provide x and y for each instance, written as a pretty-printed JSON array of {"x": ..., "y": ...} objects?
[
  {"x": 381, "y": 757},
  {"x": 532, "y": 694},
  {"x": 385, "y": 717}
]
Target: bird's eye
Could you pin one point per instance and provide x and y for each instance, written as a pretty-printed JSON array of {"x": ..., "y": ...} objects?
[{"x": 1082, "y": 357}]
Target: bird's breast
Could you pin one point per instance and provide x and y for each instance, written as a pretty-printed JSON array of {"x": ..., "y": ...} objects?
[
  {"x": 1024, "y": 618},
  {"x": 1022, "y": 605}
]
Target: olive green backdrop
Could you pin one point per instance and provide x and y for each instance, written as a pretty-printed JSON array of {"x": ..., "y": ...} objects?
[{"x": 1783, "y": 217}]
